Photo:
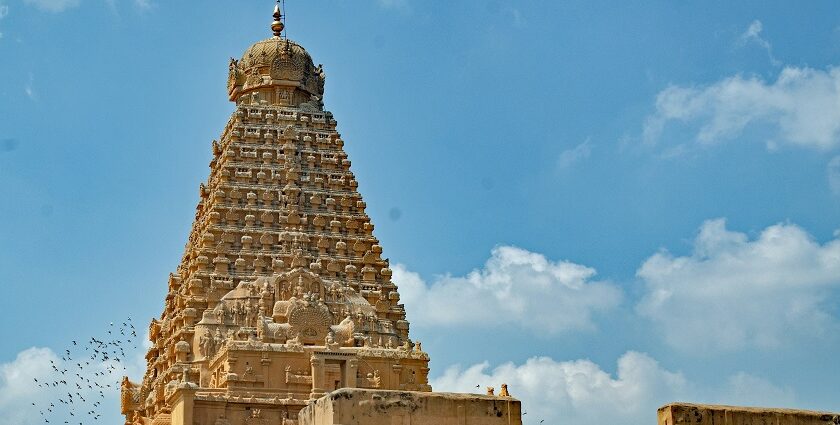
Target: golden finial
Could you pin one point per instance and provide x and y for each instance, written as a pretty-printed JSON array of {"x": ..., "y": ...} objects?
[{"x": 277, "y": 26}]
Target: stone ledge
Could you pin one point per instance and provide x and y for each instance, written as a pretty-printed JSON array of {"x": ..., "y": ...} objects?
[
  {"x": 706, "y": 414},
  {"x": 351, "y": 406}
]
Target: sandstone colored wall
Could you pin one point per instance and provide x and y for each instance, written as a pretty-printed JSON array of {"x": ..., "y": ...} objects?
[
  {"x": 699, "y": 414},
  {"x": 378, "y": 407}
]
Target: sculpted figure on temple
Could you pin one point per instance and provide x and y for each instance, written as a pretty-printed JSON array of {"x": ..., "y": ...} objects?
[
  {"x": 218, "y": 341},
  {"x": 322, "y": 77},
  {"x": 202, "y": 345},
  {"x": 240, "y": 314},
  {"x": 504, "y": 392},
  {"x": 249, "y": 322},
  {"x": 343, "y": 332}
]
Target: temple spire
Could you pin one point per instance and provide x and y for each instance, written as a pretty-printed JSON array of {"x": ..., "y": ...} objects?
[{"x": 277, "y": 25}]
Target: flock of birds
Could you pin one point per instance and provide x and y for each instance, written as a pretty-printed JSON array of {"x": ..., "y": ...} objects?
[{"x": 88, "y": 371}]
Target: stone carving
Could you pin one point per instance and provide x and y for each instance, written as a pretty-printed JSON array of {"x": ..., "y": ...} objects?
[
  {"x": 289, "y": 65},
  {"x": 297, "y": 378},
  {"x": 343, "y": 332},
  {"x": 504, "y": 392},
  {"x": 233, "y": 75},
  {"x": 373, "y": 379}
]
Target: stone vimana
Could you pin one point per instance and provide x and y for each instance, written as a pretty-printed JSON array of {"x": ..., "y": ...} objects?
[{"x": 282, "y": 294}]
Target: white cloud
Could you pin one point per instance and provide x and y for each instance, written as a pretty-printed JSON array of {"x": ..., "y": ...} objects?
[
  {"x": 581, "y": 392},
  {"x": 833, "y": 172},
  {"x": 576, "y": 392},
  {"x": 733, "y": 293},
  {"x": 801, "y": 108},
  {"x": 25, "y": 401},
  {"x": 753, "y": 35},
  {"x": 571, "y": 156},
  {"x": 143, "y": 4},
  {"x": 514, "y": 287},
  {"x": 53, "y": 6},
  {"x": 17, "y": 388}
]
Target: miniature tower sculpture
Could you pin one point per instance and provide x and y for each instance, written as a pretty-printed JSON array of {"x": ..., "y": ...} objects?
[{"x": 282, "y": 294}]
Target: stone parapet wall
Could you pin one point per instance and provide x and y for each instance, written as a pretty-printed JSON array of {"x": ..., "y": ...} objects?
[
  {"x": 700, "y": 414},
  {"x": 378, "y": 407}
]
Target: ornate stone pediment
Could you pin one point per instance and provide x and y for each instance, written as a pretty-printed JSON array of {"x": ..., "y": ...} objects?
[
  {"x": 288, "y": 66},
  {"x": 297, "y": 283},
  {"x": 310, "y": 320}
]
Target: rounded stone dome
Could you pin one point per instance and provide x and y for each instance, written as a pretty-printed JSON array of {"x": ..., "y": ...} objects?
[
  {"x": 265, "y": 52},
  {"x": 182, "y": 347},
  {"x": 276, "y": 62}
]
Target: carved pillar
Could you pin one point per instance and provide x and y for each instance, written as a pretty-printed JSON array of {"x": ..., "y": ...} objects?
[
  {"x": 396, "y": 377},
  {"x": 266, "y": 369},
  {"x": 317, "y": 378},
  {"x": 351, "y": 368}
]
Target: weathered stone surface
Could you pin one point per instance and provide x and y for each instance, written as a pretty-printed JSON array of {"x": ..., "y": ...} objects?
[
  {"x": 701, "y": 414},
  {"x": 380, "y": 407}
]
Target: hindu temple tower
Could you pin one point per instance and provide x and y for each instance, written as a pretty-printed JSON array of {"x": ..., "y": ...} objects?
[{"x": 282, "y": 295}]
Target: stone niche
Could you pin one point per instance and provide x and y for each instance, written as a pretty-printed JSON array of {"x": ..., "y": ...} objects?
[
  {"x": 351, "y": 406},
  {"x": 700, "y": 414}
]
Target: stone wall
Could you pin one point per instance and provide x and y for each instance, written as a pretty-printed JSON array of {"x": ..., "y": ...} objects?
[
  {"x": 378, "y": 407},
  {"x": 699, "y": 414}
]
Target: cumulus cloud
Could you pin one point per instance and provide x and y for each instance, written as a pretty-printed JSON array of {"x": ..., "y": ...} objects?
[
  {"x": 581, "y": 392},
  {"x": 574, "y": 155},
  {"x": 833, "y": 172},
  {"x": 19, "y": 390},
  {"x": 733, "y": 293},
  {"x": 578, "y": 391},
  {"x": 53, "y": 6},
  {"x": 516, "y": 287},
  {"x": 800, "y": 108}
]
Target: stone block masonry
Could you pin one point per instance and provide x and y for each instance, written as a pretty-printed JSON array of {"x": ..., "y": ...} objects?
[
  {"x": 351, "y": 406},
  {"x": 702, "y": 414}
]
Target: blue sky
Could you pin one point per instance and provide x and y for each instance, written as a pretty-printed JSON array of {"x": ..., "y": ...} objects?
[{"x": 601, "y": 203}]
